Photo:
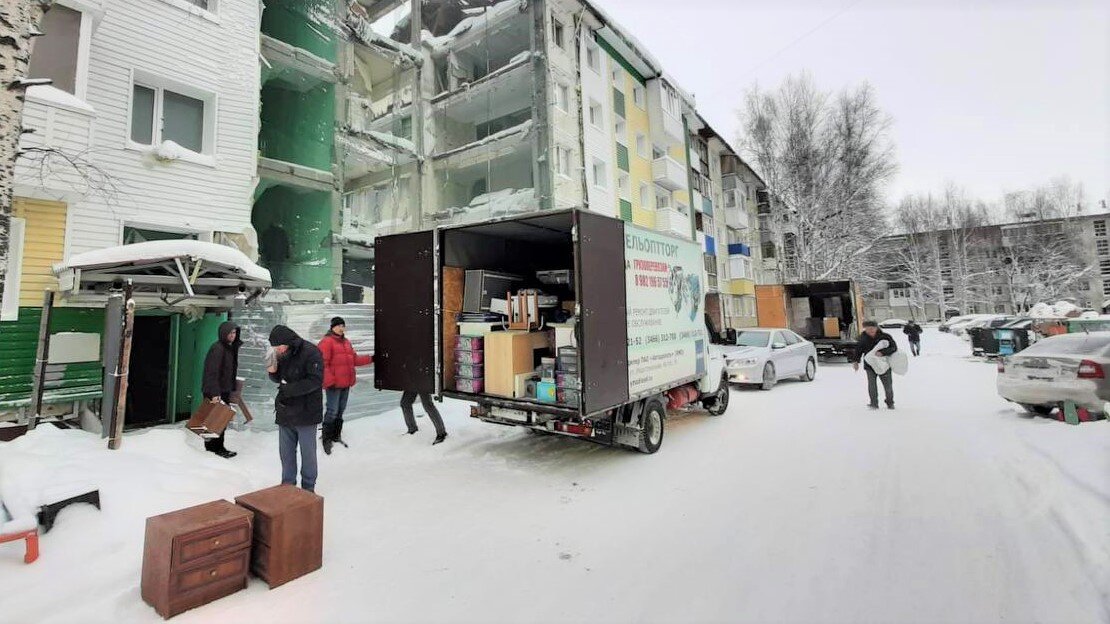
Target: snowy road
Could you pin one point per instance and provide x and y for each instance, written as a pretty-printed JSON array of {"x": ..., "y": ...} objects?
[{"x": 798, "y": 505}]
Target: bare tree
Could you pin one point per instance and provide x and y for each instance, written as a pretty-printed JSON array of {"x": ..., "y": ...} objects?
[
  {"x": 1060, "y": 198},
  {"x": 826, "y": 157},
  {"x": 19, "y": 20}
]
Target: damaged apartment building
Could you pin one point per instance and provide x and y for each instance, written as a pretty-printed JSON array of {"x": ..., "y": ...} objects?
[{"x": 479, "y": 109}]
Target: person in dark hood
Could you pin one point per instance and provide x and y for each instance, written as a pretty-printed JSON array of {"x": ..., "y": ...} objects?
[
  {"x": 340, "y": 361},
  {"x": 913, "y": 331},
  {"x": 871, "y": 337},
  {"x": 298, "y": 368},
  {"x": 218, "y": 383}
]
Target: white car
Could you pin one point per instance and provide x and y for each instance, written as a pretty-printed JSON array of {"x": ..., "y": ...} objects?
[
  {"x": 894, "y": 323},
  {"x": 762, "y": 356}
]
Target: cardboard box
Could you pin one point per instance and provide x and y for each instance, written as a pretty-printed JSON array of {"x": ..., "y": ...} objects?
[
  {"x": 507, "y": 354},
  {"x": 832, "y": 327},
  {"x": 564, "y": 335},
  {"x": 520, "y": 390}
]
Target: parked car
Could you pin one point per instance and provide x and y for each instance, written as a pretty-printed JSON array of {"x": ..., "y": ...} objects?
[
  {"x": 762, "y": 356},
  {"x": 982, "y": 336},
  {"x": 955, "y": 320},
  {"x": 980, "y": 320},
  {"x": 894, "y": 323},
  {"x": 1068, "y": 367}
]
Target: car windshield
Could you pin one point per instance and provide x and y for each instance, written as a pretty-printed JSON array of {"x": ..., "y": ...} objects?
[
  {"x": 753, "y": 338},
  {"x": 1071, "y": 344}
]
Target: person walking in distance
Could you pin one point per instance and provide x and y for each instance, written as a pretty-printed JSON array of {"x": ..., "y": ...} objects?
[
  {"x": 340, "y": 361},
  {"x": 218, "y": 382},
  {"x": 871, "y": 338},
  {"x": 407, "y": 399},
  {"x": 298, "y": 368},
  {"x": 913, "y": 331}
]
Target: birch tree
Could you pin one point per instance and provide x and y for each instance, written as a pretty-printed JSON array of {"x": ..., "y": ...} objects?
[
  {"x": 19, "y": 20},
  {"x": 826, "y": 157}
]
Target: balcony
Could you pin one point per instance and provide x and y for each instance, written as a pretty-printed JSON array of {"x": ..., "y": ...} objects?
[
  {"x": 668, "y": 173},
  {"x": 672, "y": 221},
  {"x": 739, "y": 249},
  {"x": 737, "y": 218},
  {"x": 741, "y": 286}
]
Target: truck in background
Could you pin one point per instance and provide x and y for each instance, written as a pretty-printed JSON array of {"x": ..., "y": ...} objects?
[
  {"x": 828, "y": 314},
  {"x": 640, "y": 343}
]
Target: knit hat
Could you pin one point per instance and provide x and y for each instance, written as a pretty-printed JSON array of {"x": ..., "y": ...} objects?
[
  {"x": 282, "y": 335},
  {"x": 337, "y": 320}
]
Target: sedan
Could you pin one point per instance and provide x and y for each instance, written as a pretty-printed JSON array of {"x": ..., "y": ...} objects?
[
  {"x": 1068, "y": 367},
  {"x": 894, "y": 323},
  {"x": 762, "y": 356}
]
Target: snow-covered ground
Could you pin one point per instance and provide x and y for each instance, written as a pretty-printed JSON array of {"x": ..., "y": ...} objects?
[{"x": 798, "y": 505}]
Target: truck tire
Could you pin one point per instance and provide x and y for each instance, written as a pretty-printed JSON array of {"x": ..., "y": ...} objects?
[
  {"x": 768, "y": 377},
  {"x": 717, "y": 404},
  {"x": 654, "y": 417},
  {"x": 811, "y": 370}
]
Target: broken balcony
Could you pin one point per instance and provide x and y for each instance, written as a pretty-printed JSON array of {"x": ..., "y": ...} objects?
[{"x": 500, "y": 184}]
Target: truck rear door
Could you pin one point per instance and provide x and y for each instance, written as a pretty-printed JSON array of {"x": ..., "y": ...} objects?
[
  {"x": 602, "y": 301},
  {"x": 404, "y": 313}
]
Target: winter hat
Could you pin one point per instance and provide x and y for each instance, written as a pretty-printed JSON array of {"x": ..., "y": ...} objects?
[
  {"x": 337, "y": 320},
  {"x": 282, "y": 335}
]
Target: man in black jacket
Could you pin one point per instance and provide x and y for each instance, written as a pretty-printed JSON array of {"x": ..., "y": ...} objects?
[
  {"x": 298, "y": 369},
  {"x": 871, "y": 337},
  {"x": 220, "y": 367},
  {"x": 913, "y": 331}
]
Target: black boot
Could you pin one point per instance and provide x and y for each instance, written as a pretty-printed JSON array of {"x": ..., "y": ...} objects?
[
  {"x": 440, "y": 438},
  {"x": 337, "y": 433},
  {"x": 327, "y": 437}
]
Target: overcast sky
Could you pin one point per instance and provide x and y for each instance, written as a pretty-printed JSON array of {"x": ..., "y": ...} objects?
[{"x": 991, "y": 95}]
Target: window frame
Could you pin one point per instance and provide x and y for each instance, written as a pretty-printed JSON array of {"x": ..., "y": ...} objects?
[
  {"x": 601, "y": 181},
  {"x": 646, "y": 192},
  {"x": 593, "y": 51},
  {"x": 639, "y": 96},
  {"x": 209, "y": 132},
  {"x": 53, "y": 96},
  {"x": 598, "y": 123},
  {"x": 642, "y": 146},
  {"x": 558, "y": 33},
  {"x": 562, "y": 161},
  {"x": 211, "y": 12},
  {"x": 562, "y": 97}
]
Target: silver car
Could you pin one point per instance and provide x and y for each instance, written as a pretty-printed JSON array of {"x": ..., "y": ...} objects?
[
  {"x": 762, "y": 356},
  {"x": 1069, "y": 367}
]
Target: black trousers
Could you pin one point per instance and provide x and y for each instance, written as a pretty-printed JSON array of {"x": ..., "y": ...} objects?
[
  {"x": 915, "y": 347},
  {"x": 873, "y": 386},
  {"x": 213, "y": 445},
  {"x": 408, "y": 398}
]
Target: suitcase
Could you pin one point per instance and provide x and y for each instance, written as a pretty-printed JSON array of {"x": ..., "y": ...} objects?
[{"x": 210, "y": 419}]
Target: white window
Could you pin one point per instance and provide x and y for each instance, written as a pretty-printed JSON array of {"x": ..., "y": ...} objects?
[
  {"x": 562, "y": 161},
  {"x": 621, "y": 129},
  {"x": 562, "y": 96},
  {"x": 618, "y": 77},
  {"x": 638, "y": 96},
  {"x": 642, "y": 146},
  {"x": 663, "y": 200},
  {"x": 595, "y": 114},
  {"x": 593, "y": 57},
  {"x": 624, "y": 186},
  {"x": 162, "y": 112},
  {"x": 645, "y": 196},
  {"x": 55, "y": 55},
  {"x": 9, "y": 307},
  {"x": 600, "y": 177},
  {"x": 670, "y": 99},
  {"x": 558, "y": 33},
  {"x": 207, "y": 5}
]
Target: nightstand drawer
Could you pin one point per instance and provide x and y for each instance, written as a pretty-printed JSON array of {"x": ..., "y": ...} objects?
[
  {"x": 230, "y": 567},
  {"x": 193, "y": 547}
]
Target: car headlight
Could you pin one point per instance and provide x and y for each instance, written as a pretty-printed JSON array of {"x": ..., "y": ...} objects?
[{"x": 742, "y": 362}]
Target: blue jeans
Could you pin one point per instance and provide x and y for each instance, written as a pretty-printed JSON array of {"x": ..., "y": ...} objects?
[
  {"x": 336, "y": 401},
  {"x": 289, "y": 438}
]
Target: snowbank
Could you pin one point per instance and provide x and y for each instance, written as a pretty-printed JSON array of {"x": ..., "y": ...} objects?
[
  {"x": 502, "y": 203},
  {"x": 1061, "y": 309},
  {"x": 154, "y": 251}
]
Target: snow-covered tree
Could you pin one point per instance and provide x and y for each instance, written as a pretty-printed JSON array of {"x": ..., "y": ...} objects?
[
  {"x": 1043, "y": 262},
  {"x": 826, "y": 157}
]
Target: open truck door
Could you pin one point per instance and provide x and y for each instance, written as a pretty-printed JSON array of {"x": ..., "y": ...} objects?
[
  {"x": 404, "y": 312},
  {"x": 604, "y": 309}
]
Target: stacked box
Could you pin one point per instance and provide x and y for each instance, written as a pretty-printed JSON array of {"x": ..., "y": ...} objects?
[
  {"x": 567, "y": 382},
  {"x": 470, "y": 364}
]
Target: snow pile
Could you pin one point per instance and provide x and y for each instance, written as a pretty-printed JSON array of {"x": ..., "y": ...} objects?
[
  {"x": 394, "y": 141},
  {"x": 501, "y": 203},
  {"x": 478, "y": 17},
  {"x": 162, "y": 250},
  {"x": 364, "y": 31},
  {"x": 1061, "y": 309}
]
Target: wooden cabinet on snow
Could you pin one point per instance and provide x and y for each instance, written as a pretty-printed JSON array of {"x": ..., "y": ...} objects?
[{"x": 288, "y": 532}]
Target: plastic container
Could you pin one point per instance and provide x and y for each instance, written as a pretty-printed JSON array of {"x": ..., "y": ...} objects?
[
  {"x": 546, "y": 371},
  {"x": 472, "y": 386},
  {"x": 469, "y": 343},
  {"x": 567, "y": 380},
  {"x": 473, "y": 371},
  {"x": 546, "y": 392},
  {"x": 469, "y": 357}
]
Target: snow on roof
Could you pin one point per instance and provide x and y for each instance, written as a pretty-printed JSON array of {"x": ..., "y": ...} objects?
[
  {"x": 478, "y": 15},
  {"x": 154, "y": 251}
]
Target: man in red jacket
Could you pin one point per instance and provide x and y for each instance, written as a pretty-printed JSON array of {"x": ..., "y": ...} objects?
[{"x": 340, "y": 361}]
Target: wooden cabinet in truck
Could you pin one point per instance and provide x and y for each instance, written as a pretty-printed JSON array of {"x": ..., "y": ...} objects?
[
  {"x": 636, "y": 343},
  {"x": 829, "y": 314}
]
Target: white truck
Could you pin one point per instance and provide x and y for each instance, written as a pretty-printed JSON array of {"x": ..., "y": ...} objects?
[{"x": 637, "y": 297}]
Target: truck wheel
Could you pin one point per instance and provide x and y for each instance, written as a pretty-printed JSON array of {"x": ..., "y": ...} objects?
[
  {"x": 653, "y": 418},
  {"x": 718, "y": 403},
  {"x": 768, "y": 376},
  {"x": 811, "y": 370}
]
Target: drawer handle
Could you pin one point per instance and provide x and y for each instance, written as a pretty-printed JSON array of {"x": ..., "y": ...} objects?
[{"x": 216, "y": 543}]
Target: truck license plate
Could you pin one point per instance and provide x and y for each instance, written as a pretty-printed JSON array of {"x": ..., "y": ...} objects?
[{"x": 510, "y": 414}]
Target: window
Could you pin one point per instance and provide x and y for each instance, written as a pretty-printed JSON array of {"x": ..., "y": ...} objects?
[
  {"x": 1084, "y": 286},
  {"x": 562, "y": 97},
  {"x": 670, "y": 99},
  {"x": 642, "y": 146},
  {"x": 593, "y": 57},
  {"x": 1104, "y": 267},
  {"x": 663, "y": 200},
  {"x": 791, "y": 338},
  {"x": 558, "y": 33},
  {"x": 160, "y": 114},
  {"x": 562, "y": 161},
  {"x": 645, "y": 196},
  {"x": 1100, "y": 228},
  {"x": 142, "y": 235},
  {"x": 595, "y": 114},
  {"x": 618, "y": 77},
  {"x": 54, "y": 55},
  {"x": 600, "y": 180},
  {"x": 624, "y": 186},
  {"x": 1102, "y": 245},
  {"x": 621, "y": 128},
  {"x": 638, "y": 96}
]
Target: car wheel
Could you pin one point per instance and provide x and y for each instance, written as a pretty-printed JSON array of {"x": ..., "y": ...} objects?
[
  {"x": 811, "y": 370},
  {"x": 1040, "y": 410},
  {"x": 768, "y": 376},
  {"x": 718, "y": 403},
  {"x": 653, "y": 418}
]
